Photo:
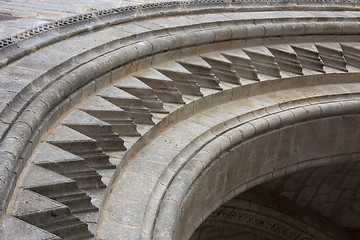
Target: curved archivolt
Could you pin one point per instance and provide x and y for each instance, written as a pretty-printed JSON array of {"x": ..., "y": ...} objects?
[{"x": 121, "y": 134}]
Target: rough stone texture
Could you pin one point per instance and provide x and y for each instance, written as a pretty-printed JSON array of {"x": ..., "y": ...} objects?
[
  {"x": 49, "y": 215},
  {"x": 12, "y": 227},
  {"x": 17, "y": 16},
  {"x": 191, "y": 110}
]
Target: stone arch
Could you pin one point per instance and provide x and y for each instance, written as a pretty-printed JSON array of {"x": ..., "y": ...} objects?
[
  {"x": 56, "y": 94},
  {"x": 187, "y": 189}
]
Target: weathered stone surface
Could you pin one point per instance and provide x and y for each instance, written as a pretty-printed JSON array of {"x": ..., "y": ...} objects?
[
  {"x": 307, "y": 66},
  {"x": 69, "y": 165},
  {"x": 309, "y": 57},
  {"x": 286, "y": 58},
  {"x": 110, "y": 113},
  {"x": 147, "y": 95},
  {"x": 59, "y": 188},
  {"x": 163, "y": 86},
  {"x": 350, "y": 52},
  {"x": 263, "y": 60},
  {"x": 95, "y": 128},
  {"x": 15, "y": 228},
  {"x": 222, "y": 67},
  {"x": 132, "y": 105},
  {"x": 202, "y": 72},
  {"x": 48, "y": 215},
  {"x": 81, "y": 145},
  {"x": 182, "y": 78},
  {"x": 242, "y": 64}
]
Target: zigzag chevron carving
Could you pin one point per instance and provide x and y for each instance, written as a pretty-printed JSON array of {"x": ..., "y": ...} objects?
[{"x": 110, "y": 123}]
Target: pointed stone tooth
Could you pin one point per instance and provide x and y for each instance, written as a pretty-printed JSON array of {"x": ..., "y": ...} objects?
[
  {"x": 286, "y": 58},
  {"x": 112, "y": 114},
  {"x": 147, "y": 95},
  {"x": 39, "y": 176},
  {"x": 182, "y": 78},
  {"x": 12, "y": 226},
  {"x": 58, "y": 188},
  {"x": 222, "y": 67},
  {"x": 96, "y": 129},
  {"x": 163, "y": 86},
  {"x": 351, "y": 53},
  {"x": 264, "y": 61},
  {"x": 69, "y": 165},
  {"x": 201, "y": 71},
  {"x": 49, "y": 215},
  {"x": 242, "y": 64},
  {"x": 28, "y": 202},
  {"x": 332, "y": 56},
  {"x": 81, "y": 145},
  {"x": 131, "y": 104},
  {"x": 48, "y": 153},
  {"x": 308, "y": 56}
]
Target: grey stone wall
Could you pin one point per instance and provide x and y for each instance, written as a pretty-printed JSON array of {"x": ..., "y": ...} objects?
[{"x": 187, "y": 80}]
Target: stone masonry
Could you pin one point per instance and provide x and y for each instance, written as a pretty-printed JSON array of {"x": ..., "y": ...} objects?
[{"x": 180, "y": 120}]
